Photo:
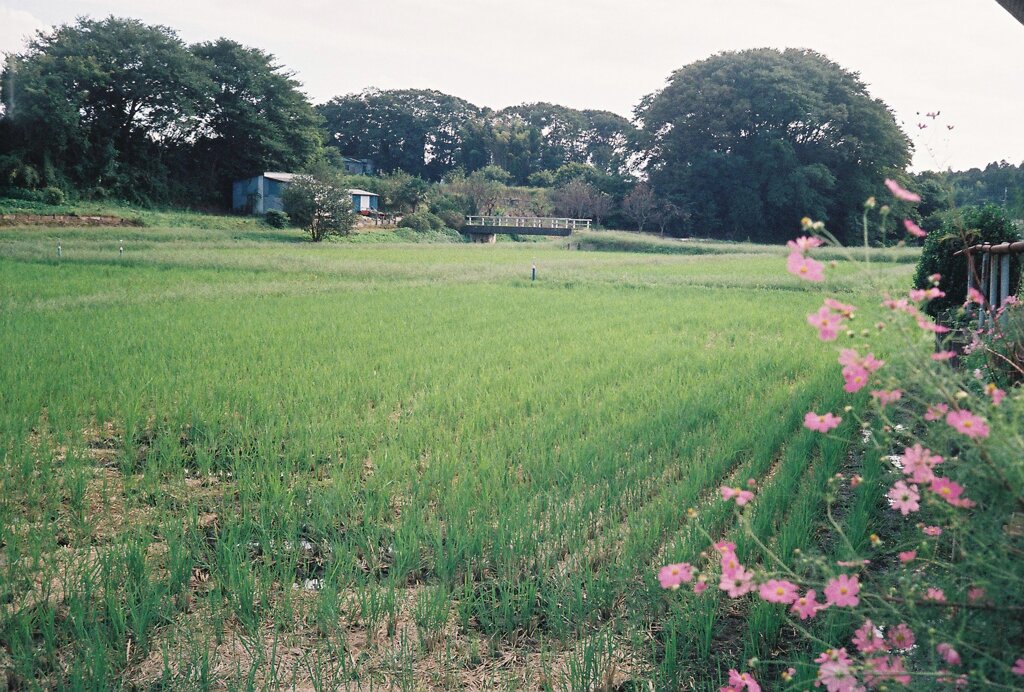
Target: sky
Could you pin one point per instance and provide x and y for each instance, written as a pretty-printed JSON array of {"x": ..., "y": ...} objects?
[{"x": 963, "y": 58}]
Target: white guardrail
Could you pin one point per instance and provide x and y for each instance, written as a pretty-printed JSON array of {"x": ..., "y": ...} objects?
[{"x": 527, "y": 222}]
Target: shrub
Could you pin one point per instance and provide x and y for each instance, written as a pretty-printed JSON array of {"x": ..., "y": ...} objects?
[
  {"x": 277, "y": 219},
  {"x": 422, "y": 221},
  {"x": 53, "y": 195},
  {"x": 961, "y": 228},
  {"x": 319, "y": 203}
]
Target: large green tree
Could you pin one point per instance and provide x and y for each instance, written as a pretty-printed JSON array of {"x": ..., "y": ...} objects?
[
  {"x": 99, "y": 104},
  {"x": 747, "y": 143},
  {"x": 255, "y": 119}
]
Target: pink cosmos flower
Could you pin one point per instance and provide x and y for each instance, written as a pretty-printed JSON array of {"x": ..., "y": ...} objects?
[
  {"x": 845, "y": 311},
  {"x": 737, "y": 583},
  {"x": 804, "y": 243},
  {"x": 901, "y": 305},
  {"x": 908, "y": 556},
  {"x": 778, "y": 591},
  {"x": 996, "y": 393},
  {"x": 943, "y": 355},
  {"x": 822, "y": 422},
  {"x": 867, "y": 639},
  {"x": 725, "y": 547},
  {"x": 904, "y": 498},
  {"x": 901, "y": 193},
  {"x": 671, "y": 576},
  {"x": 901, "y": 637},
  {"x": 739, "y": 681},
  {"x": 919, "y": 294},
  {"x": 933, "y": 594},
  {"x": 805, "y": 267},
  {"x": 919, "y": 462},
  {"x": 738, "y": 495},
  {"x": 930, "y": 326},
  {"x": 975, "y": 594},
  {"x": 730, "y": 563},
  {"x": 1018, "y": 667},
  {"x": 935, "y": 412},
  {"x": 965, "y": 422},
  {"x": 948, "y": 653},
  {"x": 698, "y": 587},
  {"x": 842, "y": 591},
  {"x": 853, "y": 563},
  {"x": 872, "y": 364},
  {"x": 913, "y": 229},
  {"x": 807, "y": 606},
  {"x": 932, "y": 531},
  {"x": 950, "y": 492},
  {"x": 855, "y": 378},
  {"x": 975, "y": 296},
  {"x": 884, "y": 398},
  {"x": 835, "y": 673},
  {"x": 826, "y": 322},
  {"x": 935, "y": 278},
  {"x": 885, "y": 668}
]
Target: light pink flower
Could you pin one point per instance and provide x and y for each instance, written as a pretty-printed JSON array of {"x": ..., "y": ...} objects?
[
  {"x": 738, "y": 495},
  {"x": 919, "y": 294},
  {"x": 671, "y": 576},
  {"x": 904, "y": 498},
  {"x": 884, "y": 398},
  {"x": 737, "y": 583},
  {"x": 855, "y": 378},
  {"x": 948, "y": 653},
  {"x": 807, "y": 606},
  {"x": 835, "y": 673},
  {"x": 883, "y": 668},
  {"x": 996, "y": 393},
  {"x": 929, "y": 326},
  {"x": 933, "y": 594},
  {"x": 919, "y": 463},
  {"x": 804, "y": 243},
  {"x": 1018, "y": 667},
  {"x": 908, "y": 556},
  {"x": 975, "y": 296},
  {"x": 932, "y": 531},
  {"x": 913, "y": 229},
  {"x": 778, "y": 591},
  {"x": 699, "y": 587},
  {"x": 900, "y": 637},
  {"x": 943, "y": 355},
  {"x": 730, "y": 563},
  {"x": 935, "y": 412},
  {"x": 901, "y": 193},
  {"x": 725, "y": 547},
  {"x": 975, "y": 594},
  {"x": 867, "y": 639},
  {"x": 842, "y": 591},
  {"x": 805, "y": 267},
  {"x": 965, "y": 422},
  {"x": 821, "y": 422},
  {"x": 844, "y": 310},
  {"x": 901, "y": 305},
  {"x": 950, "y": 492},
  {"x": 935, "y": 278},
  {"x": 826, "y": 322},
  {"x": 739, "y": 681}
]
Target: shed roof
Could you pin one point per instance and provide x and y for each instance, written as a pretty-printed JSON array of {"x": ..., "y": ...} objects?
[
  {"x": 363, "y": 192},
  {"x": 283, "y": 177}
]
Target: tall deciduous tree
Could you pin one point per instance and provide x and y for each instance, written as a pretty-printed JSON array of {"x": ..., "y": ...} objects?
[{"x": 750, "y": 142}]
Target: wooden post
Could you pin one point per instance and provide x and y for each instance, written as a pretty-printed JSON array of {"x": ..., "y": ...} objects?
[
  {"x": 1004, "y": 278},
  {"x": 986, "y": 261}
]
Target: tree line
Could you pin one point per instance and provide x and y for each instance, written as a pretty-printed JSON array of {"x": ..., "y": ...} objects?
[{"x": 740, "y": 145}]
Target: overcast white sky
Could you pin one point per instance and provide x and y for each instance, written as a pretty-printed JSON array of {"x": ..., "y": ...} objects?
[{"x": 962, "y": 57}]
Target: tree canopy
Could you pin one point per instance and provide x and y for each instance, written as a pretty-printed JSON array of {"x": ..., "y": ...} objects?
[{"x": 749, "y": 142}]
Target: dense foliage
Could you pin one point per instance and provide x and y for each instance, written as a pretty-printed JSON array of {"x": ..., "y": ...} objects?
[
  {"x": 319, "y": 203},
  {"x": 750, "y": 142}
]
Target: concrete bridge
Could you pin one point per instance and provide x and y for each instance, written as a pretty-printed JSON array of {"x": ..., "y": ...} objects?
[{"x": 484, "y": 229}]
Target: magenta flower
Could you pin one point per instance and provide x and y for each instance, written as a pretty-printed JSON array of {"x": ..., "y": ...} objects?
[
  {"x": 948, "y": 653},
  {"x": 842, "y": 591},
  {"x": 671, "y": 576},
  {"x": 867, "y": 640},
  {"x": 935, "y": 412},
  {"x": 884, "y": 398},
  {"x": 805, "y": 267},
  {"x": 1018, "y": 667},
  {"x": 901, "y": 637},
  {"x": 933, "y": 594},
  {"x": 738, "y": 495},
  {"x": 737, "y": 583},
  {"x": 913, "y": 229},
  {"x": 855, "y": 378},
  {"x": 908, "y": 556},
  {"x": 807, "y": 606},
  {"x": 826, "y": 322},
  {"x": 821, "y": 422},
  {"x": 778, "y": 591},
  {"x": 700, "y": 586},
  {"x": 901, "y": 193},
  {"x": 950, "y": 492},
  {"x": 904, "y": 498},
  {"x": 725, "y": 547},
  {"x": 932, "y": 531},
  {"x": 730, "y": 563}
]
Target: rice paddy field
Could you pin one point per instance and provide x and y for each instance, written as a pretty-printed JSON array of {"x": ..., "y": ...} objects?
[{"x": 233, "y": 459}]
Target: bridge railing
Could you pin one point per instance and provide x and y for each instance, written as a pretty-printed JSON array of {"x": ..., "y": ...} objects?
[{"x": 528, "y": 222}]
